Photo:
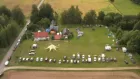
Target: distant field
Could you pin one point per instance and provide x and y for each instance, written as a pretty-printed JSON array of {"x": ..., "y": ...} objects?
[
  {"x": 127, "y": 7},
  {"x": 25, "y": 5},
  {"x": 84, "y": 5}
]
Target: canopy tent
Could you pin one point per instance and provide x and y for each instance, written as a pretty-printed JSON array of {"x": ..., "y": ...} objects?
[
  {"x": 107, "y": 47},
  {"x": 51, "y": 47},
  {"x": 48, "y": 30},
  {"x": 124, "y": 49}
]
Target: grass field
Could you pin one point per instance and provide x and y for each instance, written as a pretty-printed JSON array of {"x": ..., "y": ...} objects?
[
  {"x": 92, "y": 43},
  {"x": 25, "y": 5},
  {"x": 127, "y": 7},
  {"x": 84, "y": 5}
]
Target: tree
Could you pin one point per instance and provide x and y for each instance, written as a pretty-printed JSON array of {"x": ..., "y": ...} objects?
[
  {"x": 71, "y": 16},
  {"x": 3, "y": 21},
  {"x": 4, "y": 10},
  {"x": 137, "y": 26},
  {"x": 18, "y": 16},
  {"x": 3, "y": 39},
  {"x": 33, "y": 27},
  {"x": 101, "y": 16},
  {"x": 112, "y": 1},
  {"x": 46, "y": 11},
  {"x": 117, "y": 18},
  {"x": 136, "y": 1},
  {"x": 44, "y": 22},
  {"x": 34, "y": 14},
  {"x": 133, "y": 44},
  {"x": 108, "y": 20},
  {"x": 90, "y": 17},
  {"x": 138, "y": 16},
  {"x": 119, "y": 33}
]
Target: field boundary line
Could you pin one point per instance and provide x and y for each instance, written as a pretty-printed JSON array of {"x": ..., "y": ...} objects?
[{"x": 69, "y": 69}]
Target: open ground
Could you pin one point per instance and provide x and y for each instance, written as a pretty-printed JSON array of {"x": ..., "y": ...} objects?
[
  {"x": 25, "y": 5},
  {"x": 92, "y": 43},
  {"x": 69, "y": 75},
  {"x": 84, "y": 5},
  {"x": 127, "y": 7}
]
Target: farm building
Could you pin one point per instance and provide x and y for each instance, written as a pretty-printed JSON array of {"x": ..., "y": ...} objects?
[{"x": 40, "y": 36}]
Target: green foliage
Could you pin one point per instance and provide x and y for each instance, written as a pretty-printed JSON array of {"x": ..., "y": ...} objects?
[
  {"x": 27, "y": 36},
  {"x": 127, "y": 25},
  {"x": 33, "y": 27},
  {"x": 44, "y": 22},
  {"x": 134, "y": 43},
  {"x": 136, "y": 1},
  {"x": 71, "y": 16},
  {"x": 90, "y": 17},
  {"x": 108, "y": 20},
  {"x": 70, "y": 35},
  {"x": 112, "y": 1},
  {"x": 119, "y": 33},
  {"x": 52, "y": 37},
  {"x": 46, "y": 11},
  {"x": 34, "y": 14},
  {"x": 137, "y": 26},
  {"x": 4, "y": 10},
  {"x": 101, "y": 16},
  {"x": 18, "y": 16}
]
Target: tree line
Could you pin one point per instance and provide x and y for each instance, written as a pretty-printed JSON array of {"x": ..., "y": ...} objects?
[
  {"x": 136, "y": 1},
  {"x": 10, "y": 23}
]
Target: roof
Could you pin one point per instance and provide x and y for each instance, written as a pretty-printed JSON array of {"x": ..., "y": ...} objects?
[
  {"x": 54, "y": 27},
  {"x": 57, "y": 37},
  {"x": 40, "y": 34}
]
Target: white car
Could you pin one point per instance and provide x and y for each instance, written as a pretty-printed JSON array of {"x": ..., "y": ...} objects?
[
  {"x": 95, "y": 59},
  {"x": 41, "y": 59},
  {"x": 37, "y": 59},
  {"x": 6, "y": 63}
]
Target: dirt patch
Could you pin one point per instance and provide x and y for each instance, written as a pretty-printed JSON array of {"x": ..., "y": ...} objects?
[
  {"x": 70, "y": 75},
  {"x": 25, "y": 5}
]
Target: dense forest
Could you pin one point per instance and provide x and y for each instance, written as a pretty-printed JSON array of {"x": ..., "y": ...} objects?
[{"x": 11, "y": 21}]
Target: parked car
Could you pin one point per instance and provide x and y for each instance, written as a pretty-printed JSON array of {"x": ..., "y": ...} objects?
[{"x": 6, "y": 63}]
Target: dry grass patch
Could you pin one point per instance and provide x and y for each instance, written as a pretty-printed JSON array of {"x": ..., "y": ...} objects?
[{"x": 84, "y": 5}]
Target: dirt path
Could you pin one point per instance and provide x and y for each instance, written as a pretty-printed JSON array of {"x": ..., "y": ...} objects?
[
  {"x": 67, "y": 69},
  {"x": 70, "y": 75}
]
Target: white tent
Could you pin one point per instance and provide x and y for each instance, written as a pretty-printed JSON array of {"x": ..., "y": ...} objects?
[
  {"x": 108, "y": 47},
  {"x": 51, "y": 47},
  {"x": 34, "y": 46},
  {"x": 124, "y": 49}
]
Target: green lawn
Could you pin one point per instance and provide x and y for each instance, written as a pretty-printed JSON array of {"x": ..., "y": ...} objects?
[
  {"x": 92, "y": 43},
  {"x": 127, "y": 7}
]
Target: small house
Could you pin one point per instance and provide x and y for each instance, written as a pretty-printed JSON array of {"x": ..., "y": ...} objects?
[{"x": 41, "y": 36}]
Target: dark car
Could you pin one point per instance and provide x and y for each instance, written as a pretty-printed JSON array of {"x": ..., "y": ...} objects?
[{"x": 126, "y": 62}]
